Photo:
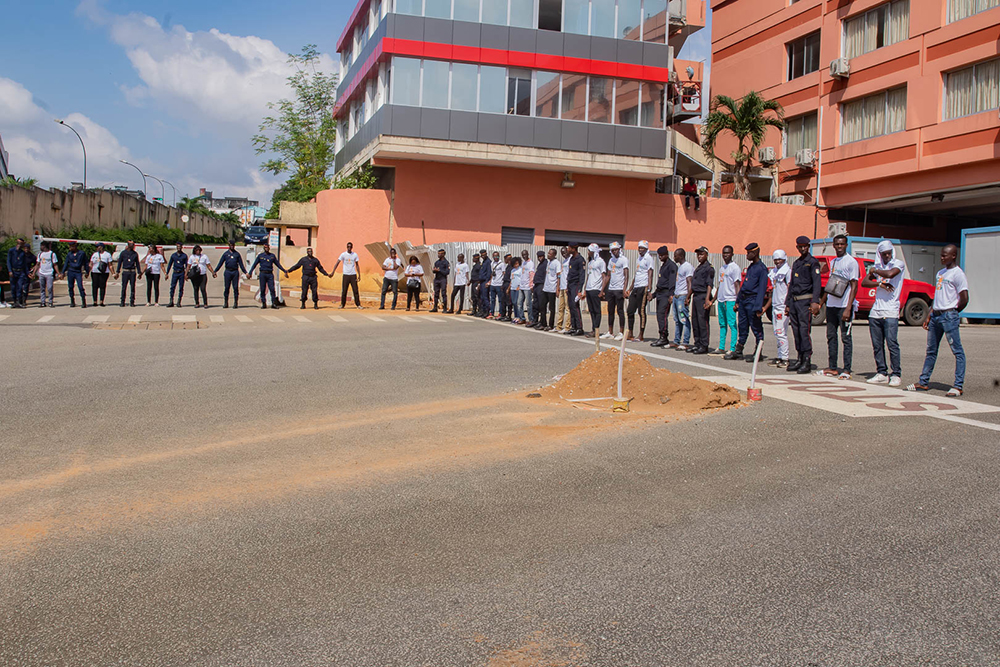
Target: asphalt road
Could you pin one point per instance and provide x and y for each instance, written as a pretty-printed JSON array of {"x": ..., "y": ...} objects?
[{"x": 361, "y": 493}]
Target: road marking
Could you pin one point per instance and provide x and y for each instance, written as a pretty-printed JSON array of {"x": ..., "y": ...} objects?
[
  {"x": 184, "y": 318},
  {"x": 373, "y": 318},
  {"x": 91, "y": 319},
  {"x": 433, "y": 319},
  {"x": 302, "y": 318},
  {"x": 463, "y": 318},
  {"x": 135, "y": 318},
  {"x": 407, "y": 318},
  {"x": 338, "y": 318},
  {"x": 243, "y": 318},
  {"x": 219, "y": 318},
  {"x": 968, "y": 422},
  {"x": 3, "y": 317},
  {"x": 272, "y": 318},
  {"x": 45, "y": 318}
]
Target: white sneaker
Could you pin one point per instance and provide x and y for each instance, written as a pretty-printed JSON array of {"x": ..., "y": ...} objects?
[
  {"x": 894, "y": 381},
  {"x": 880, "y": 379},
  {"x": 606, "y": 335},
  {"x": 564, "y": 331},
  {"x": 618, "y": 337}
]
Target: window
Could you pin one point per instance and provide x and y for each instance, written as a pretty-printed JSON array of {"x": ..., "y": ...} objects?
[
  {"x": 654, "y": 24},
  {"x": 492, "y": 89},
  {"x": 467, "y": 10},
  {"x": 629, "y": 19},
  {"x": 510, "y": 235},
  {"x": 495, "y": 11},
  {"x": 800, "y": 133},
  {"x": 576, "y": 17},
  {"x": 406, "y": 81},
  {"x": 960, "y": 9},
  {"x": 602, "y": 18},
  {"x": 550, "y": 15},
  {"x": 600, "y": 100},
  {"x": 803, "y": 56},
  {"x": 886, "y": 24},
  {"x": 972, "y": 90},
  {"x": 519, "y": 92},
  {"x": 414, "y": 7},
  {"x": 464, "y": 86},
  {"x": 522, "y": 13},
  {"x": 873, "y": 116},
  {"x": 652, "y": 105},
  {"x": 546, "y": 94},
  {"x": 434, "y": 86},
  {"x": 627, "y": 103},
  {"x": 574, "y": 96},
  {"x": 438, "y": 9}
]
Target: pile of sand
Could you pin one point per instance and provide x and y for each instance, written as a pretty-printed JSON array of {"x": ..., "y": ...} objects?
[{"x": 652, "y": 389}]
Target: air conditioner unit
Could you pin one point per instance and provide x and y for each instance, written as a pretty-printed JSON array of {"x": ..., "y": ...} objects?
[
  {"x": 840, "y": 68},
  {"x": 767, "y": 155},
  {"x": 805, "y": 158},
  {"x": 836, "y": 229},
  {"x": 797, "y": 200}
]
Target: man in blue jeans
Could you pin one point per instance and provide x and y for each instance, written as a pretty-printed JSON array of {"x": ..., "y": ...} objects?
[
  {"x": 886, "y": 277},
  {"x": 951, "y": 296},
  {"x": 682, "y": 301}
]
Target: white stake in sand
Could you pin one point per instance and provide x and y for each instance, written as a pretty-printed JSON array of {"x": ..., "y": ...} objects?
[{"x": 753, "y": 393}]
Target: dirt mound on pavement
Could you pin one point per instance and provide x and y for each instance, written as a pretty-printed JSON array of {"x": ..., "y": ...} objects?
[{"x": 653, "y": 390}]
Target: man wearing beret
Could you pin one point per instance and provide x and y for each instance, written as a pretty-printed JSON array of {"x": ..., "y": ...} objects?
[
  {"x": 803, "y": 303},
  {"x": 666, "y": 285},
  {"x": 750, "y": 304}
]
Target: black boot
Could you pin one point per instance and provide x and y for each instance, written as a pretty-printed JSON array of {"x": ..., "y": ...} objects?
[
  {"x": 794, "y": 366},
  {"x": 315, "y": 305},
  {"x": 735, "y": 354},
  {"x": 659, "y": 342},
  {"x": 806, "y": 367},
  {"x": 303, "y": 306},
  {"x": 171, "y": 304},
  {"x": 72, "y": 303}
]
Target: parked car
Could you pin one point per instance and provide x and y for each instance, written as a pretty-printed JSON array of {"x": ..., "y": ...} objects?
[
  {"x": 255, "y": 235},
  {"x": 915, "y": 296}
]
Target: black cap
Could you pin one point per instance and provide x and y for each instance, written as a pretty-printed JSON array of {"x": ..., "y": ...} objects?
[
  {"x": 701, "y": 249},
  {"x": 662, "y": 250},
  {"x": 752, "y": 246},
  {"x": 541, "y": 253},
  {"x": 802, "y": 240},
  {"x": 573, "y": 244}
]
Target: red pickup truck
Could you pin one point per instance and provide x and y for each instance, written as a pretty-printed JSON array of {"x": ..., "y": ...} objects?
[{"x": 916, "y": 297}]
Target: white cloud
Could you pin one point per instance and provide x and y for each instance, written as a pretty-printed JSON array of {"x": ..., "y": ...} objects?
[{"x": 200, "y": 76}]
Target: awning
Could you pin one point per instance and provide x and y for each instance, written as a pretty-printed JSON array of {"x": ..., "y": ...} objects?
[{"x": 689, "y": 167}]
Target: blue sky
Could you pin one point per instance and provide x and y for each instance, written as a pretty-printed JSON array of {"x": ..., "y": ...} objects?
[{"x": 177, "y": 87}]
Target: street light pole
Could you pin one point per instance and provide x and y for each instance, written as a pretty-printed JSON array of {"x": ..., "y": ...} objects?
[
  {"x": 140, "y": 173},
  {"x": 163, "y": 192},
  {"x": 65, "y": 124},
  {"x": 172, "y": 188}
]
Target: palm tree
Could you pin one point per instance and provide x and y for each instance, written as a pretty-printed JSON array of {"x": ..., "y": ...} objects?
[
  {"x": 747, "y": 120},
  {"x": 192, "y": 205}
]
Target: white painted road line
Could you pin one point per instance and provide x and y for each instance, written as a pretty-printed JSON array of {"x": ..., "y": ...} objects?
[
  {"x": 407, "y": 318},
  {"x": 272, "y": 318},
  {"x": 967, "y": 422},
  {"x": 3, "y": 317},
  {"x": 243, "y": 318},
  {"x": 135, "y": 318},
  {"x": 338, "y": 318},
  {"x": 45, "y": 318},
  {"x": 302, "y": 318},
  {"x": 373, "y": 318},
  {"x": 218, "y": 318},
  {"x": 91, "y": 319},
  {"x": 184, "y": 318},
  {"x": 433, "y": 319},
  {"x": 461, "y": 317}
]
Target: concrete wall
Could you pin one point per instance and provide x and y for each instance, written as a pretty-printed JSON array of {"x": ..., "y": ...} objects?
[
  {"x": 439, "y": 202},
  {"x": 24, "y": 211}
]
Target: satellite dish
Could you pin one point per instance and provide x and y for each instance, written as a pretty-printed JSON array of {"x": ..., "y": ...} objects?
[{"x": 185, "y": 218}]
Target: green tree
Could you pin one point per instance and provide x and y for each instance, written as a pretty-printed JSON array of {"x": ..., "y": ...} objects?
[
  {"x": 193, "y": 205},
  {"x": 362, "y": 178},
  {"x": 747, "y": 120},
  {"x": 301, "y": 133},
  {"x": 26, "y": 183}
]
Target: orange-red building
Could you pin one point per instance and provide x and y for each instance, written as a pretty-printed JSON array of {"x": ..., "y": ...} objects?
[{"x": 892, "y": 107}]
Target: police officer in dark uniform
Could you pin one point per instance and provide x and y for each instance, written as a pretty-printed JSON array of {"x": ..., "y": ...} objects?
[
  {"x": 666, "y": 284},
  {"x": 750, "y": 304},
  {"x": 128, "y": 271},
  {"x": 506, "y": 303},
  {"x": 474, "y": 286},
  {"x": 73, "y": 269},
  {"x": 19, "y": 262},
  {"x": 538, "y": 291},
  {"x": 267, "y": 261},
  {"x": 576, "y": 278},
  {"x": 234, "y": 266},
  {"x": 802, "y": 302},
  {"x": 309, "y": 265},
  {"x": 701, "y": 301},
  {"x": 177, "y": 268},
  {"x": 442, "y": 269},
  {"x": 485, "y": 276}
]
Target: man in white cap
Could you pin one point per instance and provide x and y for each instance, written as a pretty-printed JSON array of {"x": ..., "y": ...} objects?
[
  {"x": 780, "y": 277},
  {"x": 597, "y": 283},
  {"x": 886, "y": 276},
  {"x": 644, "y": 269},
  {"x": 617, "y": 280}
]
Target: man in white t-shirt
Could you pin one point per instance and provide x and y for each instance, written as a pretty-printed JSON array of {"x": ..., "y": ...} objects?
[
  {"x": 461, "y": 280},
  {"x": 597, "y": 283},
  {"x": 637, "y": 295},
  {"x": 46, "y": 268},
  {"x": 682, "y": 301},
  {"x": 730, "y": 278},
  {"x": 527, "y": 280},
  {"x": 390, "y": 278},
  {"x": 617, "y": 281},
  {"x": 780, "y": 277},
  {"x": 351, "y": 268},
  {"x": 550, "y": 289},
  {"x": 885, "y": 277},
  {"x": 840, "y": 309},
  {"x": 951, "y": 296}
]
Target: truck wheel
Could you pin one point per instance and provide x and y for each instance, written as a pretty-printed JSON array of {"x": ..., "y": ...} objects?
[
  {"x": 820, "y": 317},
  {"x": 915, "y": 311}
]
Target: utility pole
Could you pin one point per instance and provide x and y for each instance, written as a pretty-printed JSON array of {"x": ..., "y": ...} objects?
[{"x": 65, "y": 124}]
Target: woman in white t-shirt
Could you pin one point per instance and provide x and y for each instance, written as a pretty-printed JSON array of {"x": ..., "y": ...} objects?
[
  {"x": 46, "y": 268},
  {"x": 414, "y": 273},
  {"x": 100, "y": 269},
  {"x": 152, "y": 267},
  {"x": 199, "y": 267},
  {"x": 513, "y": 290}
]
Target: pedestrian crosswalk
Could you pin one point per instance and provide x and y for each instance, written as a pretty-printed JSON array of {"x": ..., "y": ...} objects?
[{"x": 204, "y": 319}]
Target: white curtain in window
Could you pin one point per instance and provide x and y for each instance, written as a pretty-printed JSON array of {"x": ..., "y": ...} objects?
[
  {"x": 854, "y": 113},
  {"x": 898, "y": 28},
  {"x": 960, "y": 94},
  {"x": 874, "y": 116},
  {"x": 987, "y": 4},
  {"x": 809, "y": 131},
  {"x": 855, "y": 35},
  {"x": 960, "y": 9},
  {"x": 895, "y": 111},
  {"x": 987, "y": 85}
]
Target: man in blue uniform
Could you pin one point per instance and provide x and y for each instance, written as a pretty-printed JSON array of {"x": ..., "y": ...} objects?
[
  {"x": 74, "y": 268},
  {"x": 234, "y": 267},
  {"x": 309, "y": 265},
  {"x": 267, "y": 261},
  {"x": 177, "y": 269},
  {"x": 128, "y": 271},
  {"x": 474, "y": 285},
  {"x": 485, "y": 276},
  {"x": 750, "y": 304},
  {"x": 537, "y": 290},
  {"x": 804, "y": 293},
  {"x": 442, "y": 269},
  {"x": 666, "y": 286},
  {"x": 19, "y": 262}
]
